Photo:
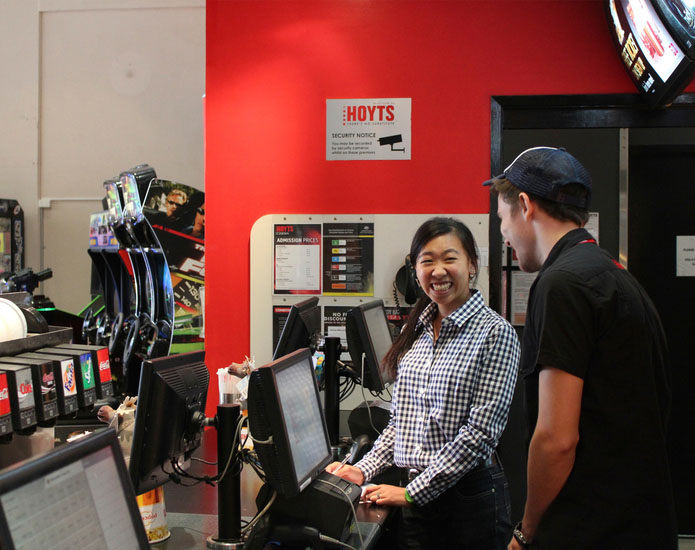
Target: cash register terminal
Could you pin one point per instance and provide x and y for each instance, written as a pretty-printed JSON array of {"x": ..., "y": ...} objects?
[{"x": 291, "y": 440}]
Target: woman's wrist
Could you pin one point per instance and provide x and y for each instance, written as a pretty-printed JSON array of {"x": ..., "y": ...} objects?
[{"x": 409, "y": 499}]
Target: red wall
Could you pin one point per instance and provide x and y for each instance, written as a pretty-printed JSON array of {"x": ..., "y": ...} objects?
[{"x": 271, "y": 65}]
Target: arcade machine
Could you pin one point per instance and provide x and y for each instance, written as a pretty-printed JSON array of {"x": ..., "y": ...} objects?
[
  {"x": 137, "y": 281},
  {"x": 11, "y": 236}
]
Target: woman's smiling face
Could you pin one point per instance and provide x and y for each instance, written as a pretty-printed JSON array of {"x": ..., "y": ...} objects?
[{"x": 443, "y": 269}]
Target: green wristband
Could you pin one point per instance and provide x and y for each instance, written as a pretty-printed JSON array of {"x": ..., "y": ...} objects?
[{"x": 408, "y": 498}]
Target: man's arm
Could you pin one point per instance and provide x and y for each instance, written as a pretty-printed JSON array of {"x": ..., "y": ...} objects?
[{"x": 553, "y": 444}]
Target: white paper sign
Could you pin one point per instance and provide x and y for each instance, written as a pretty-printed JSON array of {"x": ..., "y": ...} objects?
[
  {"x": 521, "y": 288},
  {"x": 592, "y": 225},
  {"x": 685, "y": 256},
  {"x": 368, "y": 129}
]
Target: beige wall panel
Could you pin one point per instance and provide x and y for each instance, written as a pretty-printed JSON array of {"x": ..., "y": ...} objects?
[
  {"x": 119, "y": 87},
  {"x": 66, "y": 237},
  {"x": 19, "y": 104}
]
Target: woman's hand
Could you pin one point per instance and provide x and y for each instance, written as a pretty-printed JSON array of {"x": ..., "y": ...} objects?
[
  {"x": 385, "y": 495},
  {"x": 346, "y": 472}
]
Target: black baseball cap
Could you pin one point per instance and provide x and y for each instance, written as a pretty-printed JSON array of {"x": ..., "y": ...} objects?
[{"x": 544, "y": 171}]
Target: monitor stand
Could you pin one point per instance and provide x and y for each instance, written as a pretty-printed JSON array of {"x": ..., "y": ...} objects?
[
  {"x": 331, "y": 350},
  {"x": 229, "y": 487}
]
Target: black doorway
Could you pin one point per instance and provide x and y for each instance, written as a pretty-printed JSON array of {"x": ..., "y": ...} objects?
[
  {"x": 603, "y": 129},
  {"x": 655, "y": 221}
]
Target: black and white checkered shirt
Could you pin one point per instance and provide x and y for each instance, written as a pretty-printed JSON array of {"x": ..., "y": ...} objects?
[{"x": 450, "y": 400}]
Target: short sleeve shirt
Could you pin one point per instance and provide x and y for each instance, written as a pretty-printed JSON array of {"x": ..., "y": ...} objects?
[{"x": 589, "y": 317}]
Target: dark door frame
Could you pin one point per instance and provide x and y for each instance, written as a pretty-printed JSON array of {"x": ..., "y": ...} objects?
[
  {"x": 556, "y": 112},
  {"x": 564, "y": 112}
]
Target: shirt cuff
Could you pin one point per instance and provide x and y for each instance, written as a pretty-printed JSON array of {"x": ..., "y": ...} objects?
[{"x": 370, "y": 468}]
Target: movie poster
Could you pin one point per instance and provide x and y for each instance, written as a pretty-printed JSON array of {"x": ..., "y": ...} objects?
[{"x": 176, "y": 212}]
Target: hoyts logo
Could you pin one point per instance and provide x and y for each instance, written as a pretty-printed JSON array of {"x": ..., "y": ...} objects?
[{"x": 368, "y": 113}]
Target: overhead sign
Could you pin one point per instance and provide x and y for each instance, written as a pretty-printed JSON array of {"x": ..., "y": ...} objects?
[{"x": 368, "y": 129}]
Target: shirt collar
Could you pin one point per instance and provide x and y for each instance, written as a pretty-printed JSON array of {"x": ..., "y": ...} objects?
[
  {"x": 568, "y": 240},
  {"x": 459, "y": 316}
]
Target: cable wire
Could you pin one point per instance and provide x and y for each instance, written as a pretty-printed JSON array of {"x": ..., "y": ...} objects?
[{"x": 259, "y": 515}]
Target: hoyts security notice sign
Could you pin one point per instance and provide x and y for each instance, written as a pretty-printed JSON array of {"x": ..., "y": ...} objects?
[{"x": 368, "y": 129}]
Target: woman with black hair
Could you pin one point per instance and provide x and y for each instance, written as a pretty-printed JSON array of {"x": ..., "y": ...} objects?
[{"x": 455, "y": 364}]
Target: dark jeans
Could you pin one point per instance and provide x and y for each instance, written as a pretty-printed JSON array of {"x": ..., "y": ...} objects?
[{"x": 473, "y": 515}]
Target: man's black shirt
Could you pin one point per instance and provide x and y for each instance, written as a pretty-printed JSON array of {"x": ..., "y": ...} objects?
[{"x": 589, "y": 317}]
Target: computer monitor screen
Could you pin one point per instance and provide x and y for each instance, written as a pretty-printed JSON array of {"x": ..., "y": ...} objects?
[
  {"x": 287, "y": 423},
  {"x": 168, "y": 418},
  {"x": 369, "y": 339},
  {"x": 75, "y": 496},
  {"x": 302, "y": 328}
]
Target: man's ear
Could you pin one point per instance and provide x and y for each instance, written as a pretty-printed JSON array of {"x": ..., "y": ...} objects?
[{"x": 526, "y": 205}]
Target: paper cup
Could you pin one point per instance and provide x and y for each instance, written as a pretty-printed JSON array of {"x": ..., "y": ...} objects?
[{"x": 154, "y": 515}]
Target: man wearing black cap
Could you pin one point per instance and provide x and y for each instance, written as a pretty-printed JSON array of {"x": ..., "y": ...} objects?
[{"x": 594, "y": 363}]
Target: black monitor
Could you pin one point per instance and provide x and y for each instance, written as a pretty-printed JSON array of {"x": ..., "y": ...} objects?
[
  {"x": 287, "y": 424},
  {"x": 168, "y": 417},
  {"x": 302, "y": 328},
  {"x": 77, "y": 495},
  {"x": 655, "y": 61},
  {"x": 369, "y": 339}
]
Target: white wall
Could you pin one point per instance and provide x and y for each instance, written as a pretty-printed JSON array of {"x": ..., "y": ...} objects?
[{"x": 89, "y": 89}]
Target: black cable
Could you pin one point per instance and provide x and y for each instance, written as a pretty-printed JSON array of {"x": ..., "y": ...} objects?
[
  {"x": 347, "y": 387},
  {"x": 233, "y": 464}
]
